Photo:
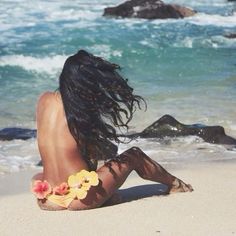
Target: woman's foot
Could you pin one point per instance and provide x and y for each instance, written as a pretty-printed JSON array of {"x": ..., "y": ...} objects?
[{"x": 179, "y": 186}]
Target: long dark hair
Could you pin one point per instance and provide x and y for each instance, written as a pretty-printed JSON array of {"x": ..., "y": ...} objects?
[{"x": 96, "y": 100}]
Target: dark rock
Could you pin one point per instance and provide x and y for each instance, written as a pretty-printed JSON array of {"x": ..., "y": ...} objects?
[
  {"x": 148, "y": 9},
  {"x": 167, "y": 126},
  {"x": 17, "y": 133},
  {"x": 230, "y": 35}
]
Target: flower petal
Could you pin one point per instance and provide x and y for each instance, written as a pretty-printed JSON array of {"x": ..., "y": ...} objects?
[
  {"x": 81, "y": 193},
  {"x": 41, "y": 189},
  {"x": 73, "y": 181},
  {"x": 82, "y": 175},
  {"x": 62, "y": 189},
  {"x": 93, "y": 178},
  {"x": 63, "y": 201},
  {"x": 72, "y": 193},
  {"x": 86, "y": 186}
]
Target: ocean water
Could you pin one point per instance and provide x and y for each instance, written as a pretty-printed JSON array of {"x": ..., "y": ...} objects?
[{"x": 182, "y": 67}]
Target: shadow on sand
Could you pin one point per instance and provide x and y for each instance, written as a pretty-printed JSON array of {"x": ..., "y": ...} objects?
[{"x": 139, "y": 192}]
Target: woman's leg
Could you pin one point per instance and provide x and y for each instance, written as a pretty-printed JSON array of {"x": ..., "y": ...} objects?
[{"x": 113, "y": 174}]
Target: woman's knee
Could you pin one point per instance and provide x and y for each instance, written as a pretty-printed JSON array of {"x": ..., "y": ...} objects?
[
  {"x": 133, "y": 156},
  {"x": 133, "y": 150},
  {"x": 135, "y": 153}
]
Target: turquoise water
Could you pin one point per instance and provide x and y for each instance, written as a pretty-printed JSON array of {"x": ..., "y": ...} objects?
[{"x": 183, "y": 67}]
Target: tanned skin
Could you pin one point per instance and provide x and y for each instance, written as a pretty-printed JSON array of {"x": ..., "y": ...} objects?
[{"x": 61, "y": 157}]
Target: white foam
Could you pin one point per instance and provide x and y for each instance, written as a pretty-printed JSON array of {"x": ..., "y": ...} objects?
[
  {"x": 50, "y": 64},
  {"x": 28, "y": 13},
  {"x": 187, "y": 42},
  {"x": 215, "y": 42},
  {"x": 217, "y": 20},
  {"x": 220, "y": 42},
  {"x": 187, "y": 149},
  {"x": 72, "y": 14},
  {"x": 53, "y": 64},
  {"x": 213, "y": 3},
  {"x": 202, "y": 19},
  {"x": 16, "y": 155}
]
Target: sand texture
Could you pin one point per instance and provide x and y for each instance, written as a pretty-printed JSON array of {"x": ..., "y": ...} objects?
[{"x": 209, "y": 210}]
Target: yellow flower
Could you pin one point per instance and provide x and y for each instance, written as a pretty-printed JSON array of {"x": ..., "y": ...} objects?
[
  {"x": 81, "y": 182},
  {"x": 88, "y": 179},
  {"x": 80, "y": 193}
]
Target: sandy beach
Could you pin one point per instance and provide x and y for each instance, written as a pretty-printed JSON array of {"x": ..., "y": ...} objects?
[{"x": 209, "y": 210}]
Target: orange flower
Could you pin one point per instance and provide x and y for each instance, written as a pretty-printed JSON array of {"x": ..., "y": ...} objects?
[
  {"x": 41, "y": 189},
  {"x": 62, "y": 189}
]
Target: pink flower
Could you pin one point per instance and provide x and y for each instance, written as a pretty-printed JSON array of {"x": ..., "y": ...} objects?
[
  {"x": 62, "y": 189},
  {"x": 41, "y": 189}
]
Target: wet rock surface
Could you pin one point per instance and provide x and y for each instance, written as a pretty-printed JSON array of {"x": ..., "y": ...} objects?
[
  {"x": 168, "y": 126},
  {"x": 17, "y": 133},
  {"x": 148, "y": 9}
]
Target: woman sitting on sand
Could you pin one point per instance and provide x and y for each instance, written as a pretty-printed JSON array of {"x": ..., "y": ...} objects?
[{"x": 92, "y": 101}]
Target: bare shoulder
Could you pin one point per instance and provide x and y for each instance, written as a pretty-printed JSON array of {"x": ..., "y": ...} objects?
[{"x": 47, "y": 98}]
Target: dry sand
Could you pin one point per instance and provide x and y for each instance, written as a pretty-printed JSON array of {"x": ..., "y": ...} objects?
[{"x": 209, "y": 210}]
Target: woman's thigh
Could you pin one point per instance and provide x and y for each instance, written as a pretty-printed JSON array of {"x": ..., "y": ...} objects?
[{"x": 111, "y": 176}]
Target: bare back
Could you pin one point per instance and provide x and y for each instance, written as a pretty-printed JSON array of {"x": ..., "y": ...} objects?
[{"x": 58, "y": 149}]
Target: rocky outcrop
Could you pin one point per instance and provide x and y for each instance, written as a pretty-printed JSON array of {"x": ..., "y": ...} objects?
[
  {"x": 166, "y": 126},
  {"x": 17, "y": 133},
  {"x": 148, "y": 9}
]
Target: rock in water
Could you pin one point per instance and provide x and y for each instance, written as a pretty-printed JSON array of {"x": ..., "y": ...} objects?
[
  {"x": 230, "y": 36},
  {"x": 148, "y": 9},
  {"x": 17, "y": 133},
  {"x": 167, "y": 126}
]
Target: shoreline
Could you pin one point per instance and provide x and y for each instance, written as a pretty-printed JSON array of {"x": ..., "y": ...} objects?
[
  {"x": 209, "y": 210},
  {"x": 28, "y": 173}
]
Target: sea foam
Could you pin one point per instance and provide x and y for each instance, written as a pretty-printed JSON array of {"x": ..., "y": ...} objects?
[
  {"x": 50, "y": 64},
  {"x": 216, "y": 20},
  {"x": 53, "y": 64},
  {"x": 18, "y": 155},
  {"x": 23, "y": 13}
]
